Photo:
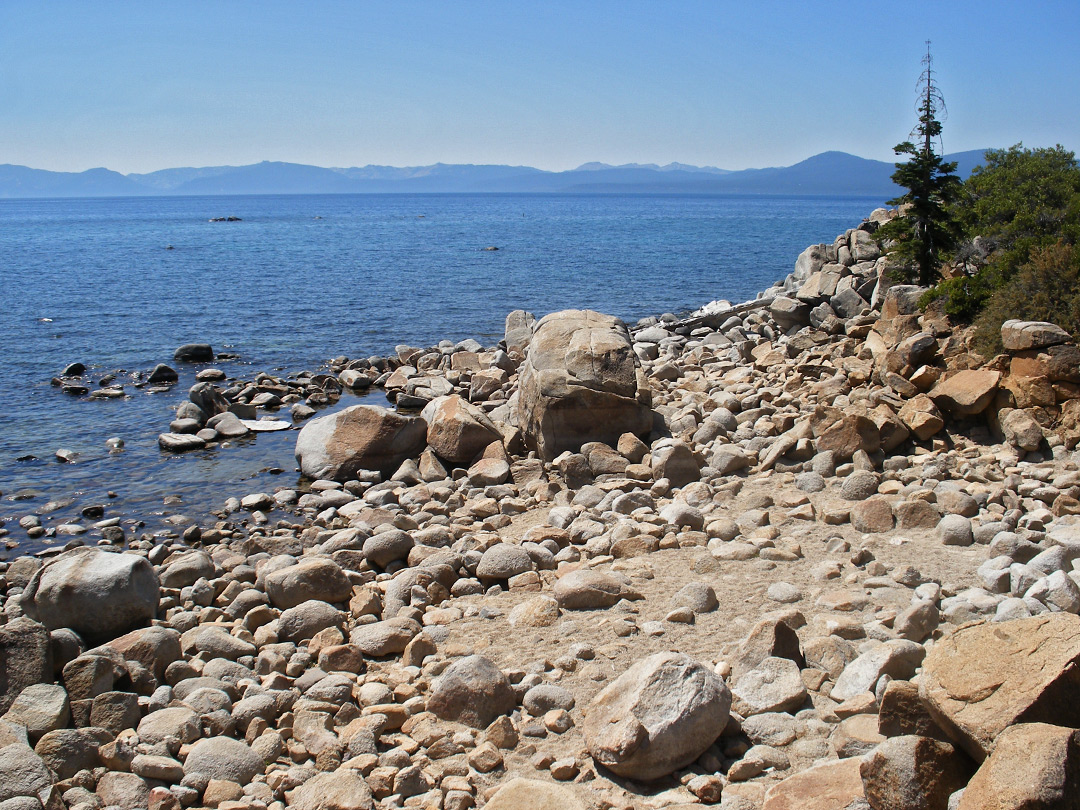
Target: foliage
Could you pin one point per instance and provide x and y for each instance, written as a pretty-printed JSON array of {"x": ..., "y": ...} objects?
[
  {"x": 1019, "y": 201},
  {"x": 927, "y": 231},
  {"x": 1045, "y": 288}
]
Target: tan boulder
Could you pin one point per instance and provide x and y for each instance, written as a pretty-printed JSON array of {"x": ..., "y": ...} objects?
[
  {"x": 913, "y": 773},
  {"x": 581, "y": 382},
  {"x": 843, "y": 433},
  {"x": 362, "y": 437},
  {"x": 828, "y": 786},
  {"x": 1021, "y": 429},
  {"x": 458, "y": 431},
  {"x": 1031, "y": 391},
  {"x": 658, "y": 716},
  {"x": 966, "y": 392},
  {"x": 985, "y": 677},
  {"x": 532, "y": 794},
  {"x": 921, "y": 417},
  {"x": 1034, "y": 766}
]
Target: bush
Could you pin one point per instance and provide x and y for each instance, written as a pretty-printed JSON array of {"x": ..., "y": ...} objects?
[
  {"x": 1020, "y": 202},
  {"x": 1046, "y": 288}
]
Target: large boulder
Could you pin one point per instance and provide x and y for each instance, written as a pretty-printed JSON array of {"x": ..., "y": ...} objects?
[
  {"x": 986, "y": 677},
  {"x": 581, "y": 382},
  {"x": 913, "y": 773},
  {"x": 458, "y": 431},
  {"x": 363, "y": 437},
  {"x": 343, "y": 789},
  {"x": 153, "y": 647},
  {"x": 25, "y": 658},
  {"x": 316, "y": 578},
  {"x": 98, "y": 594},
  {"x": 22, "y": 772},
  {"x": 223, "y": 758},
  {"x": 966, "y": 392},
  {"x": 472, "y": 691},
  {"x": 1034, "y": 766},
  {"x": 658, "y": 716},
  {"x": 1020, "y": 335}
]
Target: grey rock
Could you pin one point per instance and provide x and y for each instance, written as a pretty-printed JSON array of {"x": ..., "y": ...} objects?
[
  {"x": 194, "y": 353},
  {"x": 22, "y": 772},
  {"x": 386, "y": 547},
  {"x": 72, "y": 589},
  {"x": 472, "y": 691},
  {"x": 316, "y": 578},
  {"x": 698, "y": 596},
  {"x": 127, "y": 791},
  {"x": 306, "y": 619},
  {"x": 775, "y": 685},
  {"x": 502, "y": 561},
  {"x": 955, "y": 530},
  {"x": 389, "y": 637},
  {"x": 544, "y": 697},
  {"x": 898, "y": 659},
  {"x": 27, "y": 658},
  {"x": 41, "y": 707},
  {"x": 658, "y": 716},
  {"x": 361, "y": 437},
  {"x": 223, "y": 758}
]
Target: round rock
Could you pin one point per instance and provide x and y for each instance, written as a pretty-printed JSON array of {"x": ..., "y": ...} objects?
[
  {"x": 503, "y": 561},
  {"x": 223, "y": 758},
  {"x": 472, "y": 691}
]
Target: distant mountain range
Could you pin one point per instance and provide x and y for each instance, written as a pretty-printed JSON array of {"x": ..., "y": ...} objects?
[{"x": 827, "y": 174}]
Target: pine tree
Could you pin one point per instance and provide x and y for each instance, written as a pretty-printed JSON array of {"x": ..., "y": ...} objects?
[{"x": 927, "y": 230}]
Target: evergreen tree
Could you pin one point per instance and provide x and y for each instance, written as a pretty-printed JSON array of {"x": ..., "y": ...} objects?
[{"x": 927, "y": 230}]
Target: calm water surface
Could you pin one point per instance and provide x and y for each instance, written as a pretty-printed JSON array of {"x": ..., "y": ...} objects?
[{"x": 304, "y": 278}]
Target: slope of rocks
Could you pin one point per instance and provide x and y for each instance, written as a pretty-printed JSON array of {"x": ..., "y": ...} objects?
[{"x": 810, "y": 551}]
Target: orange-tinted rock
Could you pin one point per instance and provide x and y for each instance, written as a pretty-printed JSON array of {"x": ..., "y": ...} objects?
[
  {"x": 986, "y": 677},
  {"x": 823, "y": 787},
  {"x": 1034, "y": 766},
  {"x": 967, "y": 392}
]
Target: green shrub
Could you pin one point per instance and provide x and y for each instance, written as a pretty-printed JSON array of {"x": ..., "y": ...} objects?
[
  {"x": 1016, "y": 204},
  {"x": 1045, "y": 288}
]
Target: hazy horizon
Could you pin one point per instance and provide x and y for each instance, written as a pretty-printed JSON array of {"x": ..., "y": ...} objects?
[{"x": 141, "y": 87}]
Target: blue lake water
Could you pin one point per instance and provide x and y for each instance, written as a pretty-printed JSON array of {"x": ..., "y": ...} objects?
[{"x": 302, "y": 279}]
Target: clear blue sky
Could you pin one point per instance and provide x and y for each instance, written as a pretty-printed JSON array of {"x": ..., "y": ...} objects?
[{"x": 146, "y": 85}]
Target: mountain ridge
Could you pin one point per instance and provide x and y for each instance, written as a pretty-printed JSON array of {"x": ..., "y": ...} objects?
[{"x": 829, "y": 173}]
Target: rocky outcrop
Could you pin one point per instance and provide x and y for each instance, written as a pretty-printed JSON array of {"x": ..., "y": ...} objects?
[{"x": 580, "y": 382}]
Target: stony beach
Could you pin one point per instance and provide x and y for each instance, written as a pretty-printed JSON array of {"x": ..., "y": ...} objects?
[{"x": 810, "y": 551}]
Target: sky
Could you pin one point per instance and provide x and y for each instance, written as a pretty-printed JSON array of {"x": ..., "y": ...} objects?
[{"x": 137, "y": 87}]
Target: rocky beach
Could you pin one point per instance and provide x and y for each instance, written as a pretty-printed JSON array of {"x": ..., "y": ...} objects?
[{"x": 808, "y": 551}]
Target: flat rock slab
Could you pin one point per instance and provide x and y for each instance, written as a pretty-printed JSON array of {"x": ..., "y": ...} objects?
[
  {"x": 1019, "y": 335},
  {"x": 532, "y": 794},
  {"x": 823, "y": 787},
  {"x": 986, "y": 677},
  {"x": 266, "y": 425},
  {"x": 967, "y": 392}
]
